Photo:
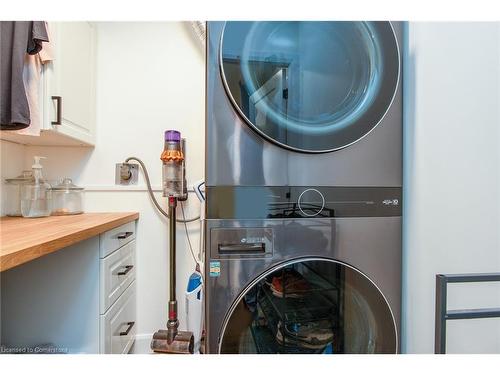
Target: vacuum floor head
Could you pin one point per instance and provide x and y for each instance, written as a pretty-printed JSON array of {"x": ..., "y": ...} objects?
[{"x": 182, "y": 343}]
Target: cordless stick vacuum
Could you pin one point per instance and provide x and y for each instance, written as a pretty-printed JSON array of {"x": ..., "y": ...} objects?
[{"x": 172, "y": 340}]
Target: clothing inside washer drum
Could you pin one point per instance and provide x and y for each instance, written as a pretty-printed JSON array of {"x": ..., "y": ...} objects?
[{"x": 298, "y": 309}]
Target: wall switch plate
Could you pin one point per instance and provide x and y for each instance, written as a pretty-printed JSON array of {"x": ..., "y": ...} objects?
[{"x": 126, "y": 174}]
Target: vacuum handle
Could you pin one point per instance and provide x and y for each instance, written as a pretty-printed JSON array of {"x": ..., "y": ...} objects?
[
  {"x": 127, "y": 270},
  {"x": 129, "y": 328},
  {"x": 124, "y": 235}
]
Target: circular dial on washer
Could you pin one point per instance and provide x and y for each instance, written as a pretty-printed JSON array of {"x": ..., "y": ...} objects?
[{"x": 311, "y": 202}]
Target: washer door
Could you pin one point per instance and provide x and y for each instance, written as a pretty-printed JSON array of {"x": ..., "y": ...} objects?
[
  {"x": 310, "y": 86},
  {"x": 310, "y": 306}
]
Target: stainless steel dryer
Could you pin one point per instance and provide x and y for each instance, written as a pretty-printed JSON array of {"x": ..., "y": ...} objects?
[
  {"x": 282, "y": 95},
  {"x": 303, "y": 176}
]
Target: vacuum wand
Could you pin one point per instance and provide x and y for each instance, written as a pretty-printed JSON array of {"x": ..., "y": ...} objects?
[
  {"x": 173, "y": 322},
  {"x": 172, "y": 340}
]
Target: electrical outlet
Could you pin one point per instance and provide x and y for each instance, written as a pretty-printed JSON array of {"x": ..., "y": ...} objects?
[{"x": 126, "y": 174}]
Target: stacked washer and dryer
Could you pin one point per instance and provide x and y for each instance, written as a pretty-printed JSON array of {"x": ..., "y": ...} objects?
[{"x": 303, "y": 187}]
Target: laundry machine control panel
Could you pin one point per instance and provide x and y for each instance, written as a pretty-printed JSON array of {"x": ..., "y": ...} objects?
[{"x": 285, "y": 202}]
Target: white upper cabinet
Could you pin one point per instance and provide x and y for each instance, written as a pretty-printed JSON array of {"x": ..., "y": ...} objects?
[
  {"x": 67, "y": 89},
  {"x": 71, "y": 77}
]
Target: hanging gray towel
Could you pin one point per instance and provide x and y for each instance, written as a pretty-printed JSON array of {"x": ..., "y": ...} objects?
[{"x": 16, "y": 39}]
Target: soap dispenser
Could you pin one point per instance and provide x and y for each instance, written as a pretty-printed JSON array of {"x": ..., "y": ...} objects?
[{"x": 36, "y": 195}]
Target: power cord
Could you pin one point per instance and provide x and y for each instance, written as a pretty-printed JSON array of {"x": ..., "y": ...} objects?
[{"x": 189, "y": 241}]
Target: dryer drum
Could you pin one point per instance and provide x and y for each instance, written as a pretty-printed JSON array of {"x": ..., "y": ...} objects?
[
  {"x": 310, "y": 86},
  {"x": 310, "y": 305}
]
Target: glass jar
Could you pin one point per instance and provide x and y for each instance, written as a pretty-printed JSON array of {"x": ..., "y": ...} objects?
[
  {"x": 67, "y": 198},
  {"x": 13, "y": 192},
  {"x": 36, "y": 197}
]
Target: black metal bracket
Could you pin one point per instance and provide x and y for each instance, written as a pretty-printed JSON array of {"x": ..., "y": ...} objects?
[{"x": 442, "y": 312}]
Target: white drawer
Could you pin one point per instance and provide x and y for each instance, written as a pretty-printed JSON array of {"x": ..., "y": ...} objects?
[
  {"x": 115, "y": 238},
  {"x": 117, "y": 271},
  {"x": 118, "y": 325}
]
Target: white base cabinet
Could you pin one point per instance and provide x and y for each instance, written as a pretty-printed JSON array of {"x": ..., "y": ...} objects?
[
  {"x": 117, "y": 322},
  {"x": 117, "y": 272},
  {"x": 117, "y": 325},
  {"x": 78, "y": 299}
]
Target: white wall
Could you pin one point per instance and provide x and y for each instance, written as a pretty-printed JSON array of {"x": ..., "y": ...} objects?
[
  {"x": 150, "y": 77},
  {"x": 12, "y": 163},
  {"x": 451, "y": 179}
]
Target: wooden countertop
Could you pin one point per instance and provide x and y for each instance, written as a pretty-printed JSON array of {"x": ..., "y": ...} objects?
[{"x": 25, "y": 239}]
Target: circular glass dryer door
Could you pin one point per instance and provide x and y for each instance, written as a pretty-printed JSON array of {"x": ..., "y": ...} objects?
[
  {"x": 310, "y": 86},
  {"x": 310, "y": 306}
]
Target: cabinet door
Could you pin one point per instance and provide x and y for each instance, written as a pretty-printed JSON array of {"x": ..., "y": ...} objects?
[
  {"x": 117, "y": 326},
  {"x": 71, "y": 77}
]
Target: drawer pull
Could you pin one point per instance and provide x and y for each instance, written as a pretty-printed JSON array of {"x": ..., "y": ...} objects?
[
  {"x": 123, "y": 235},
  {"x": 127, "y": 331},
  {"x": 127, "y": 270}
]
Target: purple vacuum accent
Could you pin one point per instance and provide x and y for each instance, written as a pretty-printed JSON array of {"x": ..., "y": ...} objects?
[{"x": 172, "y": 136}]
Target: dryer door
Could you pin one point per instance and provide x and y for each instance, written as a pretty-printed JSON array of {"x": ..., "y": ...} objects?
[
  {"x": 310, "y": 86},
  {"x": 310, "y": 306}
]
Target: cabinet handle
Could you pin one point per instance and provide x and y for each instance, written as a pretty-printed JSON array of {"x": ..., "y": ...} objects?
[
  {"x": 127, "y": 270},
  {"x": 247, "y": 248},
  {"x": 123, "y": 235},
  {"x": 58, "y": 100},
  {"x": 127, "y": 331}
]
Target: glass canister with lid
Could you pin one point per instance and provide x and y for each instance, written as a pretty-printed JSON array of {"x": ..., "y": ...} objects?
[
  {"x": 67, "y": 198},
  {"x": 13, "y": 192}
]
